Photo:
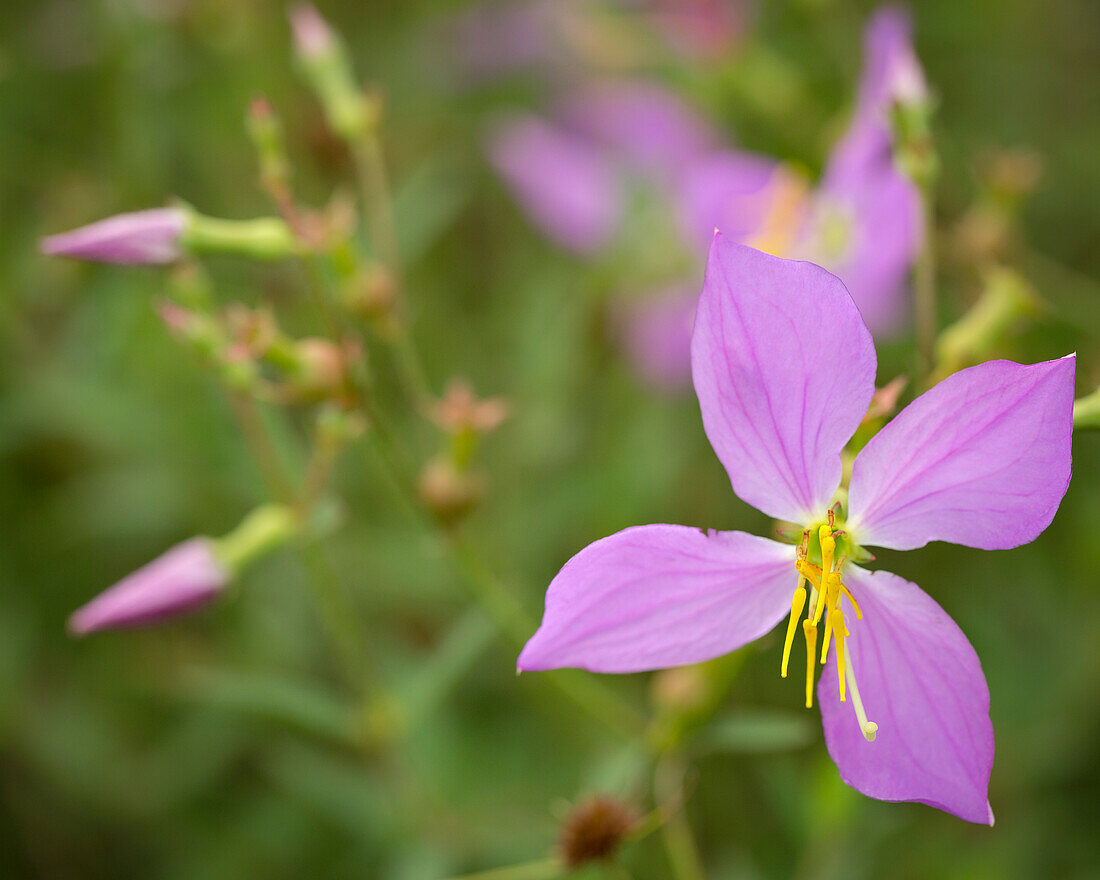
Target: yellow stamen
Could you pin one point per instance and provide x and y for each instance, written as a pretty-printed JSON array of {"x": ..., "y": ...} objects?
[
  {"x": 832, "y": 594},
  {"x": 828, "y": 547},
  {"x": 869, "y": 728},
  {"x": 811, "y": 572},
  {"x": 797, "y": 604},
  {"x": 825, "y": 639},
  {"x": 811, "y": 654},
  {"x": 836, "y": 617},
  {"x": 852, "y": 599}
]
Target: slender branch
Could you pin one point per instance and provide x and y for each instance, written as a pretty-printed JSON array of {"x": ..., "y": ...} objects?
[
  {"x": 336, "y": 609},
  {"x": 924, "y": 284},
  {"x": 374, "y": 184},
  {"x": 491, "y": 594},
  {"x": 680, "y": 846},
  {"x": 266, "y": 456},
  {"x": 544, "y": 869}
]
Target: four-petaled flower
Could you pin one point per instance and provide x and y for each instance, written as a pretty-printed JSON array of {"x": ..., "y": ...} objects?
[{"x": 784, "y": 369}]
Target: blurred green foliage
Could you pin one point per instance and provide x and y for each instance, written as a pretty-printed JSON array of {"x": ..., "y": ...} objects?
[{"x": 224, "y": 746}]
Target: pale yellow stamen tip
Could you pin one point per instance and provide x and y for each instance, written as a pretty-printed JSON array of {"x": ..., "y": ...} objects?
[{"x": 870, "y": 731}]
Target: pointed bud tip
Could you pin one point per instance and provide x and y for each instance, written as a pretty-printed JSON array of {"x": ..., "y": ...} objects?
[{"x": 312, "y": 34}]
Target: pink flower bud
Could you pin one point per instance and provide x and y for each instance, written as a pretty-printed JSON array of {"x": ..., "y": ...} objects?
[
  {"x": 186, "y": 577},
  {"x": 143, "y": 237},
  {"x": 312, "y": 34}
]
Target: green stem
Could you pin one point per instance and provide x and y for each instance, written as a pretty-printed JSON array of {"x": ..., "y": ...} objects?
[
  {"x": 1086, "y": 412},
  {"x": 375, "y": 187},
  {"x": 498, "y": 603},
  {"x": 264, "y": 453},
  {"x": 544, "y": 869},
  {"x": 680, "y": 846},
  {"x": 924, "y": 293},
  {"x": 494, "y": 598},
  {"x": 514, "y": 623},
  {"x": 336, "y": 610},
  {"x": 378, "y": 206}
]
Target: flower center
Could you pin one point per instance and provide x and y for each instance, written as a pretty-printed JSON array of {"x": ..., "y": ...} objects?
[
  {"x": 783, "y": 215},
  {"x": 826, "y": 589}
]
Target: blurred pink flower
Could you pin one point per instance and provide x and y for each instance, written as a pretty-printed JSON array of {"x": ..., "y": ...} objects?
[
  {"x": 140, "y": 237},
  {"x": 656, "y": 334},
  {"x": 574, "y": 172},
  {"x": 180, "y": 580}
]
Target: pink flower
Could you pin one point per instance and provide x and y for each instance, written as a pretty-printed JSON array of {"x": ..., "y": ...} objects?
[
  {"x": 656, "y": 334},
  {"x": 784, "y": 369},
  {"x": 573, "y": 174},
  {"x": 145, "y": 237},
  {"x": 186, "y": 577}
]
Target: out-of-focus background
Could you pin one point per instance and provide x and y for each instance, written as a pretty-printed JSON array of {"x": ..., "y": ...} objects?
[{"x": 204, "y": 748}]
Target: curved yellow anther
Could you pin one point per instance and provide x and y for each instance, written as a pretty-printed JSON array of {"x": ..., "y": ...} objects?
[
  {"x": 798, "y": 602},
  {"x": 811, "y": 654},
  {"x": 809, "y": 571}
]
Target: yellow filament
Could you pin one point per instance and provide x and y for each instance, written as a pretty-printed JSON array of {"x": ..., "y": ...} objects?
[
  {"x": 836, "y": 617},
  {"x": 828, "y": 547},
  {"x": 811, "y": 654},
  {"x": 798, "y": 602},
  {"x": 868, "y": 728},
  {"x": 831, "y": 598},
  {"x": 852, "y": 599}
]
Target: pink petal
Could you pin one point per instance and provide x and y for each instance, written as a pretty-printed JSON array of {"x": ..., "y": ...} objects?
[
  {"x": 563, "y": 181},
  {"x": 655, "y": 596},
  {"x": 785, "y": 370},
  {"x": 982, "y": 459},
  {"x": 180, "y": 580},
  {"x": 922, "y": 683},
  {"x": 139, "y": 237},
  {"x": 657, "y": 336},
  {"x": 878, "y": 211},
  {"x": 891, "y": 72},
  {"x": 732, "y": 191},
  {"x": 650, "y": 127}
]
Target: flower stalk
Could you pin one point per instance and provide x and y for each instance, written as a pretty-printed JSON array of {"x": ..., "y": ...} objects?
[
  {"x": 1005, "y": 301},
  {"x": 1086, "y": 412}
]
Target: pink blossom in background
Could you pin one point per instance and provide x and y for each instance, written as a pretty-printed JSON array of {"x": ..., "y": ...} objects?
[
  {"x": 185, "y": 578},
  {"x": 656, "y": 332},
  {"x": 784, "y": 368},
  {"x": 571, "y": 174},
  {"x": 865, "y": 221},
  {"x": 558, "y": 39},
  {"x": 708, "y": 29},
  {"x": 567, "y": 186},
  {"x": 140, "y": 237}
]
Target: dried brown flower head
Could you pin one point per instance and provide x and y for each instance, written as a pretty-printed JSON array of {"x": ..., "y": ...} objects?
[{"x": 594, "y": 829}]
